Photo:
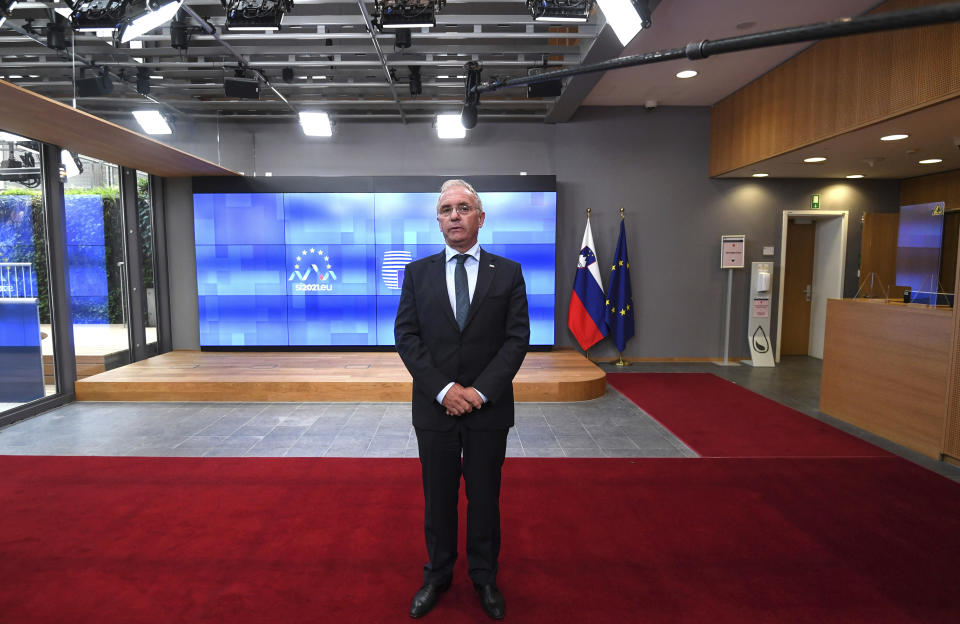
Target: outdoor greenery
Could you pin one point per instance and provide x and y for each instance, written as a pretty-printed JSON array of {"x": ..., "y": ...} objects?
[{"x": 113, "y": 242}]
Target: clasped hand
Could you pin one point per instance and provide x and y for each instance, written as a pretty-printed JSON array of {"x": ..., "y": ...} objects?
[{"x": 460, "y": 400}]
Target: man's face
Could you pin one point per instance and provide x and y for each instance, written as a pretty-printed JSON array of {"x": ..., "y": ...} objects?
[{"x": 459, "y": 230}]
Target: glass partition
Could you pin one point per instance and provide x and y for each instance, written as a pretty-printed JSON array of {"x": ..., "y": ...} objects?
[
  {"x": 26, "y": 344},
  {"x": 147, "y": 259},
  {"x": 96, "y": 265}
]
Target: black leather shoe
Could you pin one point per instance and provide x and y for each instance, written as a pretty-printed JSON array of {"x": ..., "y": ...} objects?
[
  {"x": 491, "y": 599},
  {"x": 426, "y": 598}
]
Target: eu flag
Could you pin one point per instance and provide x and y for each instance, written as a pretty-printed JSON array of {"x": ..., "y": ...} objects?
[{"x": 620, "y": 297}]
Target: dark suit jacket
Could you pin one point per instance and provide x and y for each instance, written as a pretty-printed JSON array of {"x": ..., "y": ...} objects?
[{"x": 486, "y": 355}]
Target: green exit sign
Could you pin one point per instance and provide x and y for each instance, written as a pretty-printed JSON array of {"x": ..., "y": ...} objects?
[{"x": 815, "y": 202}]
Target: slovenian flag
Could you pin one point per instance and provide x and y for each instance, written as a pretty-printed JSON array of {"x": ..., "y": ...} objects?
[{"x": 586, "y": 318}]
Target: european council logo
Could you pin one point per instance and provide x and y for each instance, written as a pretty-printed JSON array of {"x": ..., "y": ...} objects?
[
  {"x": 312, "y": 272},
  {"x": 392, "y": 268}
]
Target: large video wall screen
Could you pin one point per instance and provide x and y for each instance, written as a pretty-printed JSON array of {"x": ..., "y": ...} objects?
[{"x": 307, "y": 269}]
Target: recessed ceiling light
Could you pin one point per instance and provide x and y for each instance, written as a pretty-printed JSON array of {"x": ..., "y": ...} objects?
[
  {"x": 930, "y": 161},
  {"x": 760, "y": 175},
  {"x": 687, "y": 73},
  {"x": 855, "y": 176},
  {"x": 894, "y": 137},
  {"x": 814, "y": 159}
]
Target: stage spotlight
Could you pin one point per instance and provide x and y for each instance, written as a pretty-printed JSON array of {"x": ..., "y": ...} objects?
[
  {"x": 6, "y": 7},
  {"x": 56, "y": 35},
  {"x": 71, "y": 163},
  {"x": 626, "y": 17},
  {"x": 91, "y": 15},
  {"x": 468, "y": 116},
  {"x": 256, "y": 14},
  {"x": 393, "y": 14},
  {"x": 95, "y": 87},
  {"x": 152, "y": 122},
  {"x": 179, "y": 36},
  {"x": 577, "y": 11},
  {"x": 416, "y": 84},
  {"x": 316, "y": 124},
  {"x": 287, "y": 74},
  {"x": 152, "y": 14},
  {"x": 143, "y": 81},
  {"x": 403, "y": 39}
]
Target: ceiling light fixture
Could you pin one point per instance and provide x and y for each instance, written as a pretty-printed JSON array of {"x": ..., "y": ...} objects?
[
  {"x": 814, "y": 159},
  {"x": 894, "y": 137},
  {"x": 449, "y": 127},
  {"x": 316, "y": 124},
  {"x": 760, "y": 175},
  {"x": 626, "y": 17},
  {"x": 930, "y": 161},
  {"x": 687, "y": 73},
  {"x": 256, "y": 14},
  {"x": 854, "y": 176},
  {"x": 393, "y": 14},
  {"x": 576, "y": 11},
  {"x": 152, "y": 122},
  {"x": 155, "y": 13}
]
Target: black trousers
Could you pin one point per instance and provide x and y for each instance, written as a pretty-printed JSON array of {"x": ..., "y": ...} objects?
[{"x": 482, "y": 455}]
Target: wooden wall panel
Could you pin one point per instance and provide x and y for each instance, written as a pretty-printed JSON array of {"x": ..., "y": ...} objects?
[
  {"x": 943, "y": 187},
  {"x": 836, "y": 86},
  {"x": 885, "y": 369},
  {"x": 878, "y": 248},
  {"x": 951, "y": 436}
]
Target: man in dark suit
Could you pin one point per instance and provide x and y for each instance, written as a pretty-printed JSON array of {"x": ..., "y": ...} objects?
[{"x": 462, "y": 330}]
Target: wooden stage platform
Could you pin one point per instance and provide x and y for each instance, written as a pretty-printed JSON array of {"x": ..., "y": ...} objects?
[{"x": 303, "y": 377}]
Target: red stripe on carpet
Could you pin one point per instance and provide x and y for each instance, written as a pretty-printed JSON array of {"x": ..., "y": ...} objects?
[
  {"x": 717, "y": 418},
  {"x": 144, "y": 540}
]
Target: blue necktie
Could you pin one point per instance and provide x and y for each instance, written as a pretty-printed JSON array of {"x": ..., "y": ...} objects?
[{"x": 462, "y": 290}]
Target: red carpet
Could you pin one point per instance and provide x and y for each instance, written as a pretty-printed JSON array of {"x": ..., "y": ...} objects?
[
  {"x": 717, "y": 418},
  {"x": 105, "y": 540}
]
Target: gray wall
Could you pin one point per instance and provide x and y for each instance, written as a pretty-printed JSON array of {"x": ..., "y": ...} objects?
[{"x": 654, "y": 164}]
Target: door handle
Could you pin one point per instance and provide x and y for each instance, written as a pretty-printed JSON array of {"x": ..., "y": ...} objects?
[{"x": 808, "y": 292}]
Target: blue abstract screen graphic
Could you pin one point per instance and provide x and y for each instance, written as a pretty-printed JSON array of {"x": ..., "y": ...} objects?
[{"x": 326, "y": 269}]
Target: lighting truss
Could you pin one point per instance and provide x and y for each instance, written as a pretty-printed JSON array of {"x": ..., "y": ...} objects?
[
  {"x": 393, "y": 14},
  {"x": 577, "y": 11},
  {"x": 90, "y": 15},
  {"x": 256, "y": 14}
]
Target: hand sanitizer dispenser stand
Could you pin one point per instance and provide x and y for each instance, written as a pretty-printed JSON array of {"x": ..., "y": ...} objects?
[{"x": 758, "y": 327}]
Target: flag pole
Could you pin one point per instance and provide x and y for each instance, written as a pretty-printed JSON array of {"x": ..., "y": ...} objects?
[
  {"x": 620, "y": 361},
  {"x": 586, "y": 352}
]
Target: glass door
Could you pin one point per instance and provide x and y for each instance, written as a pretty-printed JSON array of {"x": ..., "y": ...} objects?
[
  {"x": 26, "y": 344},
  {"x": 97, "y": 265}
]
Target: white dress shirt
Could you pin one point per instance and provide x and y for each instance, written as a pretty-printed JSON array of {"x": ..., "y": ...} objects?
[{"x": 472, "y": 266}]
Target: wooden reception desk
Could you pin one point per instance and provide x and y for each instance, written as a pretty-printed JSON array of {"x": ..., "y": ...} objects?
[{"x": 885, "y": 369}]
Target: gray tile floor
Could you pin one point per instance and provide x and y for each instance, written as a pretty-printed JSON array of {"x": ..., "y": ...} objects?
[{"x": 610, "y": 426}]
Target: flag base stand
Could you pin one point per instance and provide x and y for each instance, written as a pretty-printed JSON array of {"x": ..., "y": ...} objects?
[{"x": 620, "y": 361}]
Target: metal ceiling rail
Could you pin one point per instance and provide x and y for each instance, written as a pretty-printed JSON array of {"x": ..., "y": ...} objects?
[
  {"x": 243, "y": 63},
  {"x": 247, "y": 64},
  {"x": 893, "y": 20},
  {"x": 383, "y": 60}
]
